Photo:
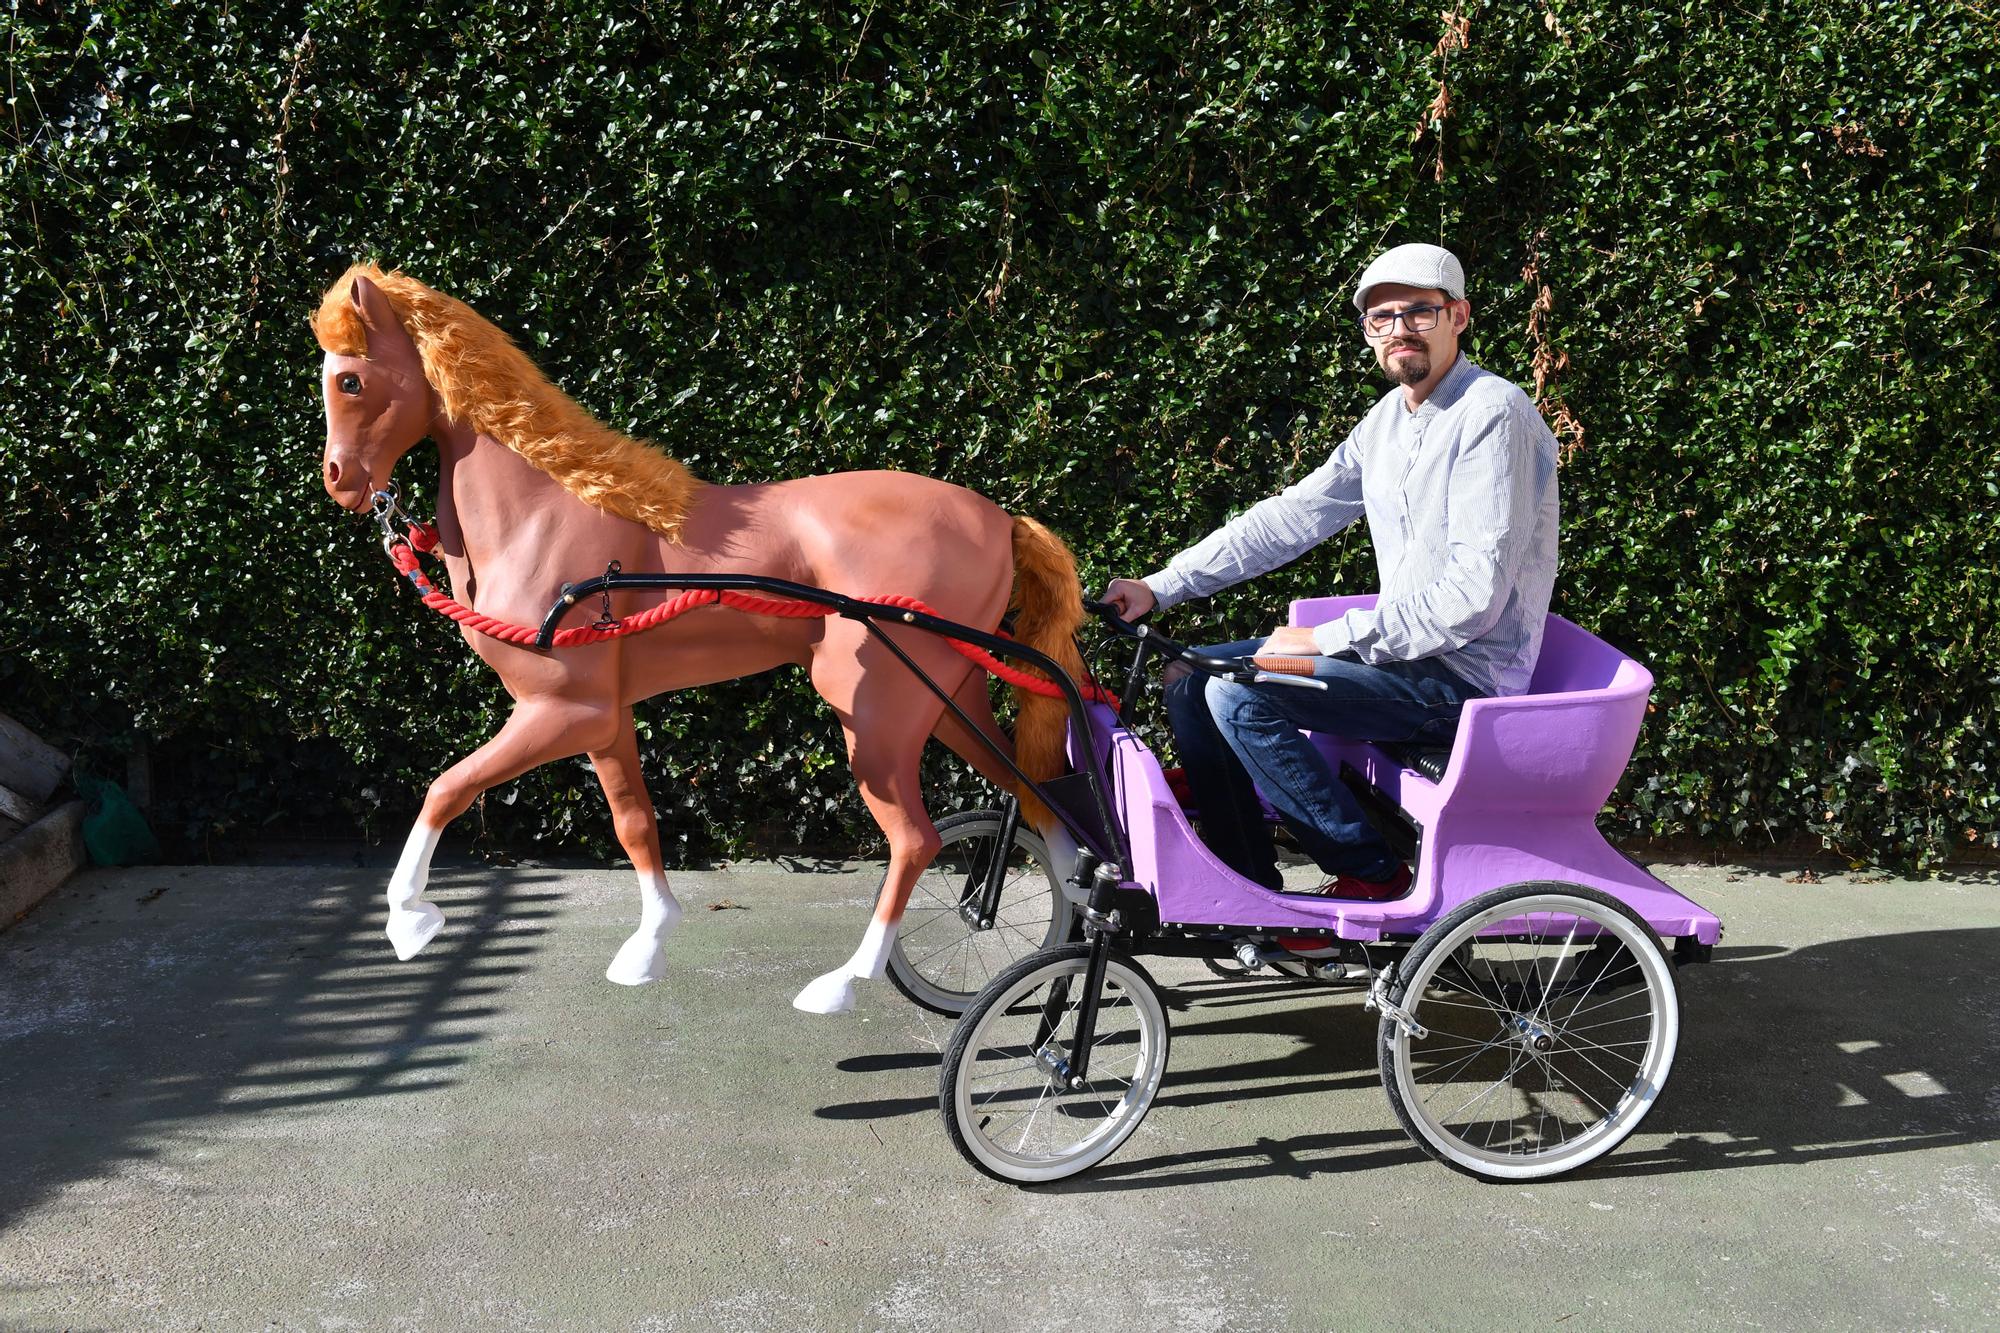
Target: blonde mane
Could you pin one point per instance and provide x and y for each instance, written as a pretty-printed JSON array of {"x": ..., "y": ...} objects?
[{"x": 485, "y": 381}]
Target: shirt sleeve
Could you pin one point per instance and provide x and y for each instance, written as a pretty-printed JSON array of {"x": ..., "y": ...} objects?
[
  {"x": 1495, "y": 490},
  {"x": 1268, "y": 533}
]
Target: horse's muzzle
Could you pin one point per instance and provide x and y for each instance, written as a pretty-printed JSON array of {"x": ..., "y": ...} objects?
[{"x": 354, "y": 493}]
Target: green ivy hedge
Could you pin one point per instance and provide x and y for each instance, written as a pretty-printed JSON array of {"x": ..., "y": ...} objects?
[{"x": 1091, "y": 259}]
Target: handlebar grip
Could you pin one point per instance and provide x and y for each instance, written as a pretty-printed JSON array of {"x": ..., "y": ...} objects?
[
  {"x": 1284, "y": 666},
  {"x": 1110, "y": 612}
]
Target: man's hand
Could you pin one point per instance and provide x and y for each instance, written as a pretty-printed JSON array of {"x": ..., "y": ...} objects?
[
  {"x": 1290, "y": 641},
  {"x": 1130, "y": 598}
]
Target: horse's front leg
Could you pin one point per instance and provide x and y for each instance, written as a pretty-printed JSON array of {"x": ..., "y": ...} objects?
[
  {"x": 643, "y": 957},
  {"x": 537, "y": 731}
]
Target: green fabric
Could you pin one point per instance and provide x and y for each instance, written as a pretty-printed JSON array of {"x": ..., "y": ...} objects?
[{"x": 114, "y": 832}]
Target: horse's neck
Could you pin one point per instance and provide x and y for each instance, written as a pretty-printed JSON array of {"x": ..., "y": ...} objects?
[
  {"x": 508, "y": 518},
  {"x": 490, "y": 497}
]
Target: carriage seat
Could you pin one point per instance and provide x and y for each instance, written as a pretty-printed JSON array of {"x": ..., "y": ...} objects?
[{"x": 1558, "y": 749}]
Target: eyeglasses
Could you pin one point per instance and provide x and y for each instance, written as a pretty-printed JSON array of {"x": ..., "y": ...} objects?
[{"x": 1417, "y": 319}]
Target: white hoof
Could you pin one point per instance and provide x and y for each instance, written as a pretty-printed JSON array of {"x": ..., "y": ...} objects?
[
  {"x": 830, "y": 994},
  {"x": 411, "y": 929},
  {"x": 640, "y": 961}
]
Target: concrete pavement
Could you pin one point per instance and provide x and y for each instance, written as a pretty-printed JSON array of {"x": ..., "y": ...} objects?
[{"x": 224, "y": 1105}]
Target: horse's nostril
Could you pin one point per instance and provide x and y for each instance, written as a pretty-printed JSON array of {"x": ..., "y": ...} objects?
[{"x": 332, "y": 473}]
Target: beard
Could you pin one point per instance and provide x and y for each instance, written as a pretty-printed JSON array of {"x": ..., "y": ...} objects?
[{"x": 1406, "y": 370}]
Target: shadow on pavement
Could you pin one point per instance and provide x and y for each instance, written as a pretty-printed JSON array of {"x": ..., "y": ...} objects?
[
  {"x": 122, "y": 1023},
  {"x": 1855, "y": 1048}
]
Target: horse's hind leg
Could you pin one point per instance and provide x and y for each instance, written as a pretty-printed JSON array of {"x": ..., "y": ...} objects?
[
  {"x": 537, "y": 731},
  {"x": 972, "y": 700},
  {"x": 887, "y": 774},
  {"x": 643, "y": 957},
  {"x": 887, "y": 719}
]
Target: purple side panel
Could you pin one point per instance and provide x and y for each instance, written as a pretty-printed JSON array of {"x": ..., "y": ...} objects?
[
  {"x": 1487, "y": 849},
  {"x": 1191, "y": 886}
]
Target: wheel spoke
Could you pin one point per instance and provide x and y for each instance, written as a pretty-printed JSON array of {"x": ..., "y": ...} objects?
[
  {"x": 1606, "y": 1023},
  {"x": 1626, "y": 1083},
  {"x": 1027, "y": 1062},
  {"x": 1574, "y": 1086},
  {"x": 1591, "y": 1009},
  {"x": 1641, "y": 1042},
  {"x": 1555, "y": 970},
  {"x": 1505, "y": 1080},
  {"x": 1444, "y": 1076},
  {"x": 1574, "y": 973},
  {"x": 942, "y": 960}
]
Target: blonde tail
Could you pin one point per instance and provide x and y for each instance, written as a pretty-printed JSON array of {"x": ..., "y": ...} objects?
[{"x": 1048, "y": 608}]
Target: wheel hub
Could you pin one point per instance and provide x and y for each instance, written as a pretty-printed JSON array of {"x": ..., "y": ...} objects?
[
  {"x": 1533, "y": 1036},
  {"x": 1052, "y": 1062}
]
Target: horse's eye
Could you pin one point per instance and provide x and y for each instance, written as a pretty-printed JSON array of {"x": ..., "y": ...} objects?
[{"x": 349, "y": 383}]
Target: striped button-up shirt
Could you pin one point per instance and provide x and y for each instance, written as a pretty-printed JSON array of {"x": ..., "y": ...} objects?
[{"x": 1460, "y": 497}]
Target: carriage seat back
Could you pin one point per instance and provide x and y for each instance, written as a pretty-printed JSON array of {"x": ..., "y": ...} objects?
[{"x": 1558, "y": 749}]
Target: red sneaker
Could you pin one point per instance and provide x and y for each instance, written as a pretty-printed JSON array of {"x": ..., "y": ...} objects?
[
  {"x": 1367, "y": 890},
  {"x": 1308, "y": 946}
]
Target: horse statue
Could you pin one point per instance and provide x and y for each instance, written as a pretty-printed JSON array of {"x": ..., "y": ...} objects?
[{"x": 534, "y": 491}]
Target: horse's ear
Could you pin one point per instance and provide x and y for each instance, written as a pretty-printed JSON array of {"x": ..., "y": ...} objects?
[{"x": 371, "y": 305}]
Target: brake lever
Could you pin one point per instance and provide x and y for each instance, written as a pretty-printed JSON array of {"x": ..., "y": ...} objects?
[{"x": 1286, "y": 678}]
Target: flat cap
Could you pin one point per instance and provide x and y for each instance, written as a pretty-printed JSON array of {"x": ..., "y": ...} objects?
[{"x": 1413, "y": 266}]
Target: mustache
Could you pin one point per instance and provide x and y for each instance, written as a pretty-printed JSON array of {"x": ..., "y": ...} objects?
[{"x": 1404, "y": 347}]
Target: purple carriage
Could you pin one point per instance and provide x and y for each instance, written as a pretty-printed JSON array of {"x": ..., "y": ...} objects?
[{"x": 1525, "y": 984}]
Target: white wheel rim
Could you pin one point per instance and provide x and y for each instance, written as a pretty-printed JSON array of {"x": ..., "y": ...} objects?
[
  {"x": 1001, "y": 1104},
  {"x": 938, "y": 955},
  {"x": 1596, "y": 1061}
]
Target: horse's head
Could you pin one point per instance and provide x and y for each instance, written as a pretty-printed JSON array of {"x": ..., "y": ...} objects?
[{"x": 378, "y": 403}]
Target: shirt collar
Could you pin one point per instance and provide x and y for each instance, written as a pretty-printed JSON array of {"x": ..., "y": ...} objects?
[{"x": 1449, "y": 389}]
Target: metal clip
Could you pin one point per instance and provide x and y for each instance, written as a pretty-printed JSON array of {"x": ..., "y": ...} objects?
[
  {"x": 388, "y": 509},
  {"x": 386, "y": 503},
  {"x": 605, "y": 620}
]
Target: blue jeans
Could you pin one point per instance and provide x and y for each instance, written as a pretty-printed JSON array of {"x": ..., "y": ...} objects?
[{"x": 1231, "y": 736}]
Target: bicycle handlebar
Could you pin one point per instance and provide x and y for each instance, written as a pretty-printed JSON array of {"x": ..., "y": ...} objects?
[{"x": 1241, "y": 670}]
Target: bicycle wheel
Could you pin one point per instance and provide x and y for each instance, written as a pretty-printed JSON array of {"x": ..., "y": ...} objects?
[
  {"x": 1004, "y": 1090},
  {"x": 944, "y": 953},
  {"x": 1549, "y": 1020}
]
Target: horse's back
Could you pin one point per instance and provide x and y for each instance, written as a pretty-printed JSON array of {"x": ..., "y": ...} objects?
[{"x": 890, "y": 533}]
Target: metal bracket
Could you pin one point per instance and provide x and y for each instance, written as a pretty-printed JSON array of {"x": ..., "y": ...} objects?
[{"x": 1378, "y": 1000}]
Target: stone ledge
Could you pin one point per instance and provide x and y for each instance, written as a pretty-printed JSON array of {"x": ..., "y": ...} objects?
[{"x": 38, "y": 858}]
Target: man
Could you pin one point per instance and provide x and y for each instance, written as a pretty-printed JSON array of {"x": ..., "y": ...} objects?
[{"x": 1456, "y": 473}]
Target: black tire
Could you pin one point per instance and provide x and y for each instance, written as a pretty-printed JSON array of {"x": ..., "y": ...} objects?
[
  {"x": 939, "y": 959},
  {"x": 1539, "y": 1056},
  {"x": 995, "y": 1091}
]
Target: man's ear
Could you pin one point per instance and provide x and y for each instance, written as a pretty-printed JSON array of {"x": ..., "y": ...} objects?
[
  {"x": 371, "y": 305},
  {"x": 1461, "y": 315}
]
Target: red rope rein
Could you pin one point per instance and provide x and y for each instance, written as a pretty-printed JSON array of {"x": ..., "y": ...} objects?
[{"x": 423, "y": 538}]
